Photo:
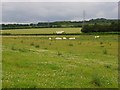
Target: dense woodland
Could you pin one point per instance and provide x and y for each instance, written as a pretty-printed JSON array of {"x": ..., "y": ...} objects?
[{"x": 93, "y": 25}]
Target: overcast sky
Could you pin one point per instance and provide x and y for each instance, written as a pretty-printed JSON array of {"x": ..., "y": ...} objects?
[
  {"x": 27, "y": 12},
  {"x": 59, "y": 0}
]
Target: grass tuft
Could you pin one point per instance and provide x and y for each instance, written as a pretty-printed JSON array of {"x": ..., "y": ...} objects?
[
  {"x": 21, "y": 41},
  {"x": 100, "y": 80},
  {"x": 22, "y": 50},
  {"x": 79, "y": 43},
  {"x": 107, "y": 66},
  {"x": 37, "y": 46},
  {"x": 13, "y": 48},
  {"x": 32, "y": 44},
  {"x": 105, "y": 51},
  {"x": 59, "y": 54},
  {"x": 101, "y": 43},
  {"x": 45, "y": 48},
  {"x": 96, "y": 80},
  {"x": 70, "y": 44}
]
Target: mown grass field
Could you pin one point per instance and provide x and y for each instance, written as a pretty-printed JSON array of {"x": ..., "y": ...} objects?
[
  {"x": 37, "y": 62},
  {"x": 41, "y": 31}
]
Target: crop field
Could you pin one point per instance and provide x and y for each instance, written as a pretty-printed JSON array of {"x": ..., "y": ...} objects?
[
  {"x": 41, "y": 31},
  {"x": 37, "y": 62}
]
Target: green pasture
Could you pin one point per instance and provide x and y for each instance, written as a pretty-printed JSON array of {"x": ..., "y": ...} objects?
[
  {"x": 41, "y": 31},
  {"x": 37, "y": 62}
]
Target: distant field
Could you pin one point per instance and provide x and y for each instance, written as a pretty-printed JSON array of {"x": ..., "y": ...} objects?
[
  {"x": 41, "y": 31},
  {"x": 37, "y": 62}
]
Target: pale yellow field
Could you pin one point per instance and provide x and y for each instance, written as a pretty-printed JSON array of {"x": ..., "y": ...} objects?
[{"x": 42, "y": 31}]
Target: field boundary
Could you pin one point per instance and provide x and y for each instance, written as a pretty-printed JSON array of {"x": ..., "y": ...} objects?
[{"x": 9, "y": 34}]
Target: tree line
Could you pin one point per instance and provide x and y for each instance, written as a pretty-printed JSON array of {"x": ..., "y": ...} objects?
[
  {"x": 93, "y": 25},
  {"x": 58, "y": 24},
  {"x": 113, "y": 27}
]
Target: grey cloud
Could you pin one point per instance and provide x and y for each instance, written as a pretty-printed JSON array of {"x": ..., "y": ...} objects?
[{"x": 53, "y": 11}]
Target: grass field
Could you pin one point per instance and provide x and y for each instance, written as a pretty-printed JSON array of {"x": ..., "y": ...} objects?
[
  {"x": 42, "y": 31},
  {"x": 36, "y": 62}
]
